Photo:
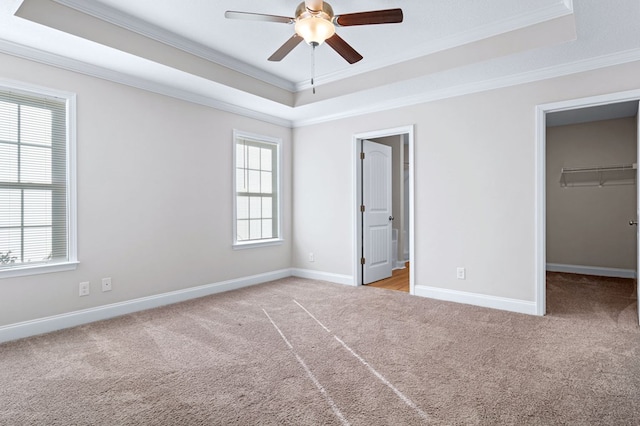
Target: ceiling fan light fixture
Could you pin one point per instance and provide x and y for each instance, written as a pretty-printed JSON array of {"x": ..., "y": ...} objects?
[
  {"x": 314, "y": 29},
  {"x": 316, "y": 23}
]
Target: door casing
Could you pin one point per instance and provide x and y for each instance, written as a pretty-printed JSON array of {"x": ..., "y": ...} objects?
[
  {"x": 540, "y": 260},
  {"x": 637, "y": 218},
  {"x": 357, "y": 191}
]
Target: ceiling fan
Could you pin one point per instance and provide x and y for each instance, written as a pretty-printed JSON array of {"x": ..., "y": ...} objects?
[{"x": 315, "y": 23}]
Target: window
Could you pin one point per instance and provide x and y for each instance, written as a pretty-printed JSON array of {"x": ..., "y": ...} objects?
[
  {"x": 37, "y": 233},
  {"x": 257, "y": 189}
]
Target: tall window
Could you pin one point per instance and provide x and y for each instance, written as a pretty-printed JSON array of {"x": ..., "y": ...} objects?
[
  {"x": 35, "y": 198},
  {"x": 257, "y": 193}
]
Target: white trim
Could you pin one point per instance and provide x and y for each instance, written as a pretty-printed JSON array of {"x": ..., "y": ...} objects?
[
  {"x": 540, "y": 178},
  {"x": 540, "y": 214},
  {"x": 85, "y": 316},
  {"x": 128, "y": 22},
  {"x": 417, "y": 50},
  {"x": 618, "y": 58},
  {"x": 356, "y": 187},
  {"x": 591, "y": 270},
  {"x": 494, "y": 302},
  {"x": 71, "y": 262},
  {"x": 591, "y": 101},
  {"x": 412, "y": 198},
  {"x": 322, "y": 276},
  {"x": 399, "y": 264},
  {"x": 84, "y": 68},
  {"x": 36, "y": 90},
  {"x": 264, "y": 140},
  {"x": 72, "y": 184},
  {"x": 153, "y": 32},
  {"x": 23, "y": 271},
  {"x": 257, "y": 243}
]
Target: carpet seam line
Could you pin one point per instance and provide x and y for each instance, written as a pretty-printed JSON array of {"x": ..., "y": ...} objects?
[
  {"x": 380, "y": 377},
  {"x": 314, "y": 380}
]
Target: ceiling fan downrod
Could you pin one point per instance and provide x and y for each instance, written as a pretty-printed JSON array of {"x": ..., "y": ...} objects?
[{"x": 313, "y": 66}]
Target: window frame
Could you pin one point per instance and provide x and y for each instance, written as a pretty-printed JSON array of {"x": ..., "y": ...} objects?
[
  {"x": 239, "y": 135},
  {"x": 69, "y": 100}
]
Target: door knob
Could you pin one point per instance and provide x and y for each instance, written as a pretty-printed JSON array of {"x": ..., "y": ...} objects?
[
  {"x": 390, "y": 217},
  {"x": 633, "y": 222}
]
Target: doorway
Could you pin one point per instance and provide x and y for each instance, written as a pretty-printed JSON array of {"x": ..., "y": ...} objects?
[
  {"x": 403, "y": 219},
  {"x": 614, "y": 115}
]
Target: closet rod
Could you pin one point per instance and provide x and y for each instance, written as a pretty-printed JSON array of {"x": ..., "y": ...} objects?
[{"x": 600, "y": 168}]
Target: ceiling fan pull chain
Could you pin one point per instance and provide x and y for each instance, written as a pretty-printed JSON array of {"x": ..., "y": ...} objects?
[{"x": 313, "y": 66}]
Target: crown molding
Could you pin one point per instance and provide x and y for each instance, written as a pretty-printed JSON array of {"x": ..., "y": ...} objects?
[
  {"x": 604, "y": 61},
  {"x": 74, "y": 65},
  {"x": 617, "y": 58},
  {"x": 145, "y": 29},
  {"x": 493, "y": 29},
  {"x": 108, "y": 14}
]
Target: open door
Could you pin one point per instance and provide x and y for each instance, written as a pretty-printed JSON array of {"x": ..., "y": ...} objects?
[{"x": 377, "y": 219}]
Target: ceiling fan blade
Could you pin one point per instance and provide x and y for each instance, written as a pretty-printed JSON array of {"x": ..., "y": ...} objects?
[
  {"x": 344, "y": 49},
  {"x": 388, "y": 16},
  {"x": 287, "y": 47},
  {"x": 231, "y": 14}
]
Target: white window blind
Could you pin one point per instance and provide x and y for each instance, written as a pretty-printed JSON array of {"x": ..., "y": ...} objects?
[
  {"x": 34, "y": 184},
  {"x": 257, "y": 198}
]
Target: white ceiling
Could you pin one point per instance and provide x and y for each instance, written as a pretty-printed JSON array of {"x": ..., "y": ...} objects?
[
  {"x": 426, "y": 22},
  {"x": 594, "y": 113},
  {"x": 443, "y": 48}
]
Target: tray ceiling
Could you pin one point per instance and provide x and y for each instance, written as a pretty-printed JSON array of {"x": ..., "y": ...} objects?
[{"x": 193, "y": 51}]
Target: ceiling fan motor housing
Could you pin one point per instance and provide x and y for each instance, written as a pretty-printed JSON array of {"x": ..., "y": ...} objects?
[
  {"x": 314, "y": 26},
  {"x": 316, "y": 23}
]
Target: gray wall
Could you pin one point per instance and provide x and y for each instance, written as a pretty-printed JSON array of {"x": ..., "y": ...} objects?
[
  {"x": 154, "y": 191},
  {"x": 589, "y": 225},
  {"x": 475, "y": 184},
  {"x": 154, "y": 198}
]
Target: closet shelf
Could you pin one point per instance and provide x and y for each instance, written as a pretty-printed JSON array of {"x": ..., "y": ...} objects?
[{"x": 624, "y": 174}]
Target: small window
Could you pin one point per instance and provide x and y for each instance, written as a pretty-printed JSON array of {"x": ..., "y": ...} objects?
[
  {"x": 36, "y": 229},
  {"x": 257, "y": 189}
]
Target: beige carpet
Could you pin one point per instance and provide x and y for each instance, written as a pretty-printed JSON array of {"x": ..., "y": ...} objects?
[{"x": 305, "y": 352}]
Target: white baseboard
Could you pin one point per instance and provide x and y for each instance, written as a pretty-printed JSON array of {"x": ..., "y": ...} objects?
[
  {"x": 323, "y": 276},
  {"x": 495, "y": 302},
  {"x": 58, "y": 322},
  {"x": 400, "y": 264},
  {"x": 592, "y": 270},
  {"x": 85, "y": 316}
]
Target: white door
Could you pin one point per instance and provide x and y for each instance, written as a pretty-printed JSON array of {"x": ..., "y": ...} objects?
[{"x": 377, "y": 215}]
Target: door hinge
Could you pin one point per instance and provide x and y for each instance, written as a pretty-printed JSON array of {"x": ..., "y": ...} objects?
[
  {"x": 362, "y": 155},
  {"x": 362, "y": 261},
  {"x": 362, "y": 208}
]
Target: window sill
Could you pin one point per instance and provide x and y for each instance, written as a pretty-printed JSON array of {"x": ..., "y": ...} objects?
[
  {"x": 256, "y": 244},
  {"x": 22, "y": 271}
]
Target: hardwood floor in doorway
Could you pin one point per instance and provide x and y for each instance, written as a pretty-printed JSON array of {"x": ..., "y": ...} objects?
[{"x": 399, "y": 280}]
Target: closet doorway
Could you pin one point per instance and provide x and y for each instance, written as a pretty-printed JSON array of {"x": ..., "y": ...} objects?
[{"x": 589, "y": 236}]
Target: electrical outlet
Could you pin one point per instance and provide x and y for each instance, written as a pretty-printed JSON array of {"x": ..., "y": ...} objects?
[
  {"x": 84, "y": 288},
  {"x": 461, "y": 273},
  {"x": 106, "y": 284},
  {"x": 312, "y": 258}
]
